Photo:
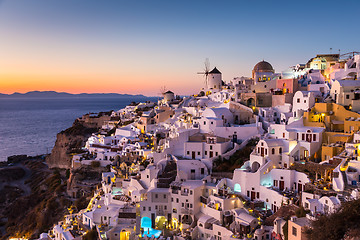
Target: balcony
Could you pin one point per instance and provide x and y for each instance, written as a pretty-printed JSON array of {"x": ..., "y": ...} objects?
[
  {"x": 186, "y": 211},
  {"x": 204, "y": 200},
  {"x": 160, "y": 212}
]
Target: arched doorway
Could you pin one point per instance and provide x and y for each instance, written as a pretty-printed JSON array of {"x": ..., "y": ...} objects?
[
  {"x": 255, "y": 166},
  {"x": 237, "y": 188},
  {"x": 250, "y": 102}
]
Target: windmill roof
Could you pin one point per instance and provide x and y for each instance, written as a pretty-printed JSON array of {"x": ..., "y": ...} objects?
[
  {"x": 168, "y": 92},
  {"x": 215, "y": 70}
]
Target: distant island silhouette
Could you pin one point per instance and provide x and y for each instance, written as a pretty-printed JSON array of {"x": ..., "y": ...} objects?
[{"x": 54, "y": 94}]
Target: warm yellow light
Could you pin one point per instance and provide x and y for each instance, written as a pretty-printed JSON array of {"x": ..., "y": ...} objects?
[{"x": 323, "y": 114}]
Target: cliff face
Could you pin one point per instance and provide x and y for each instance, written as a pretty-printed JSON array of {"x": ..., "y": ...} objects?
[{"x": 71, "y": 140}]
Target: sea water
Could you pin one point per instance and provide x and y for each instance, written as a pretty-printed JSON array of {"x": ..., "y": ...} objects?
[{"x": 29, "y": 125}]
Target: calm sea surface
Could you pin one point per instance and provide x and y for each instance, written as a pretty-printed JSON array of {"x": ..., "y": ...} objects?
[{"x": 29, "y": 126}]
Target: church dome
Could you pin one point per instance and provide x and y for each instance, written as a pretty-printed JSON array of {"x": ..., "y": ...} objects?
[{"x": 263, "y": 66}]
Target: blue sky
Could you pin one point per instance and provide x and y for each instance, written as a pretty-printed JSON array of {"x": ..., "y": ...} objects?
[{"x": 139, "y": 46}]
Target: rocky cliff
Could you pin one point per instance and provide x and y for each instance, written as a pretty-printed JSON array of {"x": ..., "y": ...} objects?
[{"x": 71, "y": 140}]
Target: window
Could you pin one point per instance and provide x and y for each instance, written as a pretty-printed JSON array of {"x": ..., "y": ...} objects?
[
  {"x": 280, "y": 150},
  {"x": 156, "y": 207},
  {"x": 212, "y": 123},
  {"x": 204, "y": 123},
  {"x": 205, "y": 152},
  {"x": 149, "y": 208},
  {"x": 314, "y": 137},
  {"x": 305, "y": 101},
  {"x": 164, "y": 196},
  {"x": 275, "y": 183},
  {"x": 156, "y": 196},
  {"x": 298, "y": 100},
  {"x": 198, "y": 153},
  {"x": 303, "y": 137},
  {"x": 104, "y": 218},
  {"x": 216, "y": 153},
  {"x": 283, "y": 135},
  {"x": 191, "y": 192},
  {"x": 191, "y": 205},
  {"x": 188, "y": 152},
  {"x": 182, "y": 204},
  {"x": 177, "y": 200},
  {"x": 165, "y": 207},
  {"x": 210, "y": 147},
  {"x": 147, "y": 176},
  {"x": 144, "y": 208},
  {"x": 347, "y": 96},
  {"x": 172, "y": 199},
  {"x": 273, "y": 151},
  {"x": 294, "y": 231},
  {"x": 257, "y": 195}
]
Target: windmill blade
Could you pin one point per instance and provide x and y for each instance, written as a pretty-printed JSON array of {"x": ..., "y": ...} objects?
[
  {"x": 162, "y": 90},
  {"x": 207, "y": 69},
  {"x": 207, "y": 65}
]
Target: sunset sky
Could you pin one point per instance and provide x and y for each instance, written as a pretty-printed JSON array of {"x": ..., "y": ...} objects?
[{"x": 138, "y": 46}]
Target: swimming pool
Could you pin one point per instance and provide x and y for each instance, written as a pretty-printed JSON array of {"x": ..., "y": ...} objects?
[{"x": 150, "y": 232}]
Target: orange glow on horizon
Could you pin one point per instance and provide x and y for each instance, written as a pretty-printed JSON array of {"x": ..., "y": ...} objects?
[{"x": 97, "y": 83}]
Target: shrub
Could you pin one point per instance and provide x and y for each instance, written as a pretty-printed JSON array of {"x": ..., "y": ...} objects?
[{"x": 91, "y": 235}]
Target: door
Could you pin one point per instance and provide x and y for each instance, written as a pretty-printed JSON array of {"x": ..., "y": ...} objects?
[
  {"x": 281, "y": 185},
  {"x": 153, "y": 220},
  {"x": 192, "y": 175},
  {"x": 193, "y": 155},
  {"x": 262, "y": 152},
  {"x": 306, "y": 153},
  {"x": 299, "y": 187},
  {"x": 252, "y": 195},
  {"x": 211, "y": 154}
]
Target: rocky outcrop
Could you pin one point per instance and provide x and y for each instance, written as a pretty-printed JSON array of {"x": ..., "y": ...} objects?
[{"x": 71, "y": 140}]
